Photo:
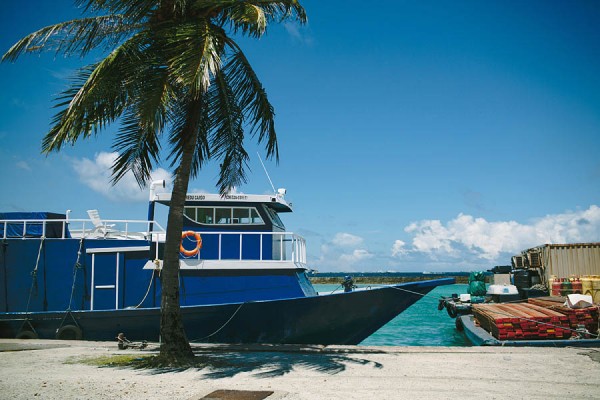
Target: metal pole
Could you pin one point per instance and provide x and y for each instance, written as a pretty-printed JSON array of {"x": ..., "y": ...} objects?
[{"x": 93, "y": 281}]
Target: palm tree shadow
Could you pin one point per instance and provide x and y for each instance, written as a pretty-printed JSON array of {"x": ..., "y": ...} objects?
[{"x": 273, "y": 364}]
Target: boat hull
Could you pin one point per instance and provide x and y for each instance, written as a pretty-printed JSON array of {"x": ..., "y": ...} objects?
[{"x": 339, "y": 318}]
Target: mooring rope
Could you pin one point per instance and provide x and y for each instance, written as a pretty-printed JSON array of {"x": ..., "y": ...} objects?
[
  {"x": 148, "y": 290},
  {"x": 336, "y": 289},
  {"x": 34, "y": 274},
  {"x": 33, "y": 286},
  {"x": 406, "y": 290},
  {"x": 222, "y": 326},
  {"x": 76, "y": 267}
]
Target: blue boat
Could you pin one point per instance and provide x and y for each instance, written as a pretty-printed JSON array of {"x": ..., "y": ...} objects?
[{"x": 243, "y": 277}]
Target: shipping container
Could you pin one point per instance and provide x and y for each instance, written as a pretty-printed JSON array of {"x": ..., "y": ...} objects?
[{"x": 563, "y": 260}]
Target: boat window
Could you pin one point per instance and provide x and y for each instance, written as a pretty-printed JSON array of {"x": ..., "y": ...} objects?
[
  {"x": 241, "y": 215},
  {"x": 224, "y": 215},
  {"x": 254, "y": 217},
  {"x": 274, "y": 217},
  {"x": 205, "y": 215},
  {"x": 190, "y": 213}
]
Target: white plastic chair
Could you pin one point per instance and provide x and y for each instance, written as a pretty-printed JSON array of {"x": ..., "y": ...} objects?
[{"x": 99, "y": 225}]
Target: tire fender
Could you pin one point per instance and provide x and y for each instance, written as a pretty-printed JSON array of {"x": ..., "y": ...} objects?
[
  {"x": 459, "y": 325},
  {"x": 451, "y": 309},
  {"x": 69, "y": 332},
  {"x": 27, "y": 334}
]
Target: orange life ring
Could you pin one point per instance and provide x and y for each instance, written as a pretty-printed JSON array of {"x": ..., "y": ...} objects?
[{"x": 195, "y": 250}]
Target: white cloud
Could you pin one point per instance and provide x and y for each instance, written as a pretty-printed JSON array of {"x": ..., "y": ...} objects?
[
  {"x": 463, "y": 243},
  {"x": 293, "y": 29},
  {"x": 398, "y": 248},
  {"x": 96, "y": 174},
  {"x": 346, "y": 240},
  {"x": 354, "y": 257},
  {"x": 23, "y": 165},
  {"x": 489, "y": 240},
  {"x": 342, "y": 253}
]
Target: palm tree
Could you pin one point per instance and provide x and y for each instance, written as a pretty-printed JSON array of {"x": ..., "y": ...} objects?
[{"x": 172, "y": 66}]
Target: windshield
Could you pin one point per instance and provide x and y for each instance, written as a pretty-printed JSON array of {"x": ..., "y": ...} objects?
[{"x": 274, "y": 217}]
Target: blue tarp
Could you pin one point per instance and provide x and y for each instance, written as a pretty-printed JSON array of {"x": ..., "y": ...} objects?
[{"x": 32, "y": 229}]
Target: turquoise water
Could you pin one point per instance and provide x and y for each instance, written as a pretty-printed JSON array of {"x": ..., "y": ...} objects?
[{"x": 420, "y": 325}]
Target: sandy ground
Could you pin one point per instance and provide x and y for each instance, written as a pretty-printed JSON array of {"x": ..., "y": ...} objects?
[{"x": 53, "y": 370}]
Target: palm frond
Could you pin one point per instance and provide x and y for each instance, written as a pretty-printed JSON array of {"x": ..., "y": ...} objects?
[
  {"x": 250, "y": 19},
  {"x": 253, "y": 99},
  {"x": 202, "y": 150},
  {"x": 227, "y": 133},
  {"x": 189, "y": 116},
  {"x": 273, "y": 11},
  {"x": 138, "y": 139},
  {"x": 133, "y": 10},
  {"x": 77, "y": 36},
  {"x": 94, "y": 111},
  {"x": 248, "y": 16},
  {"x": 138, "y": 148},
  {"x": 173, "y": 65},
  {"x": 195, "y": 51},
  {"x": 97, "y": 96}
]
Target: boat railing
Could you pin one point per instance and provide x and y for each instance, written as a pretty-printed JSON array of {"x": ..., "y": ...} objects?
[
  {"x": 80, "y": 228},
  {"x": 260, "y": 246}
]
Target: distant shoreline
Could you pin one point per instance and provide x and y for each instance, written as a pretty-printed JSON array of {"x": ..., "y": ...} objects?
[{"x": 384, "y": 280}]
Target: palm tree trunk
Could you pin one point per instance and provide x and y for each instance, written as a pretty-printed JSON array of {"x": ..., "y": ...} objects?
[{"x": 175, "y": 347}]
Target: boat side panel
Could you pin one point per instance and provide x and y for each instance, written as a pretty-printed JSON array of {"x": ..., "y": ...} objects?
[
  {"x": 476, "y": 335},
  {"x": 219, "y": 287},
  {"x": 343, "y": 318},
  {"x": 120, "y": 287},
  {"x": 63, "y": 281},
  {"x": 46, "y": 288},
  {"x": 306, "y": 285},
  {"x": 227, "y": 246},
  {"x": 52, "y": 286}
]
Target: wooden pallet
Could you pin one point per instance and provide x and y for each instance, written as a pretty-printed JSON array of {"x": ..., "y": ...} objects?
[
  {"x": 587, "y": 317},
  {"x": 513, "y": 321}
]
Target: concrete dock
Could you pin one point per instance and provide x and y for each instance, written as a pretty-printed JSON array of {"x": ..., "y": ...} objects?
[{"x": 49, "y": 369}]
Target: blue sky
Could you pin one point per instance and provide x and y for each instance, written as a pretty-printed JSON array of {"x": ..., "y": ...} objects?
[{"x": 414, "y": 136}]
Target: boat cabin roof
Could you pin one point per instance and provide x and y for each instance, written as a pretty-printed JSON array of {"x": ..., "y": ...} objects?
[{"x": 275, "y": 201}]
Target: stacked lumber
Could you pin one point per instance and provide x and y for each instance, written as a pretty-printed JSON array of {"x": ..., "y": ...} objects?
[
  {"x": 522, "y": 321},
  {"x": 587, "y": 317}
]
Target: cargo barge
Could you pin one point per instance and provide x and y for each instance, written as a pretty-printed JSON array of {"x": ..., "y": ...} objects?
[
  {"x": 544, "y": 321},
  {"x": 480, "y": 337},
  {"x": 531, "y": 301}
]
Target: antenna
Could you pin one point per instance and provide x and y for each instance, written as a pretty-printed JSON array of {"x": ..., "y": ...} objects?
[{"x": 263, "y": 165}]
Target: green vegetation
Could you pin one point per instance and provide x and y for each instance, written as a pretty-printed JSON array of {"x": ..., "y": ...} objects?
[
  {"x": 122, "y": 360},
  {"x": 151, "y": 361}
]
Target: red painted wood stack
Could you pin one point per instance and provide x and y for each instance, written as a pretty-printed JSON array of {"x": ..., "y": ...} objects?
[
  {"x": 581, "y": 316},
  {"x": 522, "y": 321}
]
